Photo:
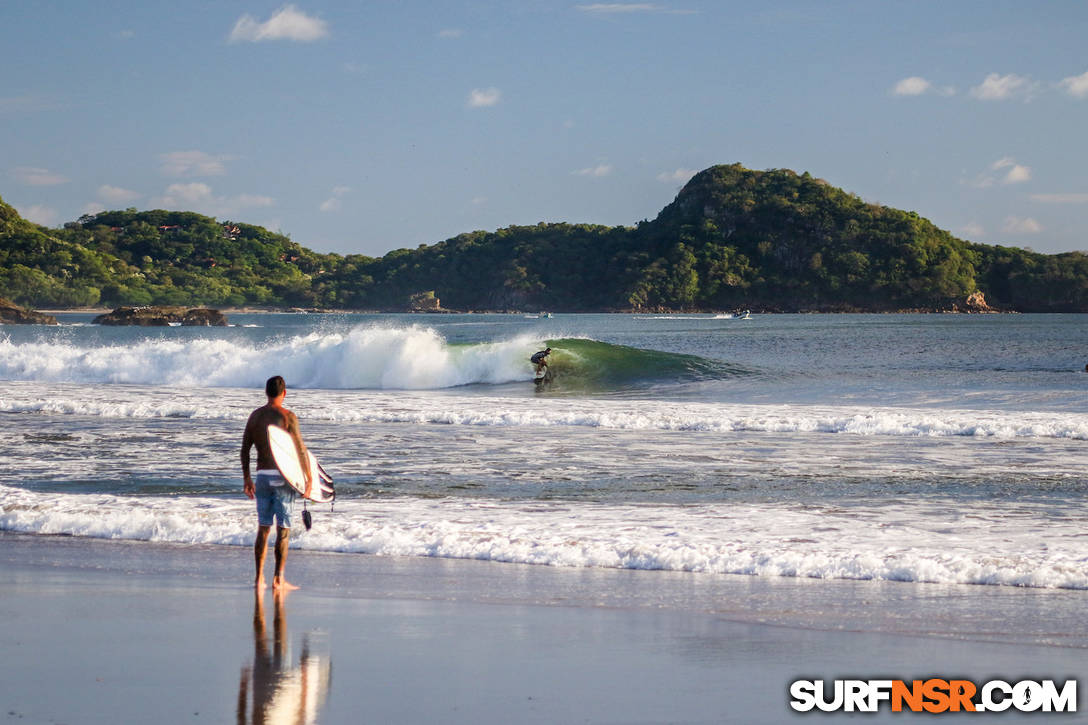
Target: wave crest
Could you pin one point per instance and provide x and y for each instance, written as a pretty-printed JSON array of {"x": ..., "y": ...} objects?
[
  {"x": 365, "y": 357},
  {"x": 370, "y": 357}
]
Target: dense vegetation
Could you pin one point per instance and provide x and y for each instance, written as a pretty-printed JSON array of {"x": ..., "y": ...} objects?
[{"x": 772, "y": 240}]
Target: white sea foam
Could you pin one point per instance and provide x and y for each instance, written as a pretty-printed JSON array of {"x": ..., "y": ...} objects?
[
  {"x": 932, "y": 543},
  {"x": 614, "y": 414},
  {"x": 365, "y": 357},
  {"x": 719, "y": 316}
]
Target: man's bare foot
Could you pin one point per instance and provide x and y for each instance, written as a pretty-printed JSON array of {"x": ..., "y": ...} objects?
[
  {"x": 282, "y": 585},
  {"x": 260, "y": 583}
]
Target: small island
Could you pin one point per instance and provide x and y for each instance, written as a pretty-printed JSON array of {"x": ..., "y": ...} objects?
[{"x": 163, "y": 316}]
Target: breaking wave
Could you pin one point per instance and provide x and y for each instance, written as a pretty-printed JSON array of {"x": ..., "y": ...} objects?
[
  {"x": 609, "y": 414},
  {"x": 363, "y": 358},
  {"x": 991, "y": 546}
]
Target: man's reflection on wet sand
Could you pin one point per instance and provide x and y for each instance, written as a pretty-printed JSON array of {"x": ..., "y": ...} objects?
[{"x": 273, "y": 692}]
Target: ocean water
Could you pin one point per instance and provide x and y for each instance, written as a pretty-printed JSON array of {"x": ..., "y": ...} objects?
[{"x": 913, "y": 448}]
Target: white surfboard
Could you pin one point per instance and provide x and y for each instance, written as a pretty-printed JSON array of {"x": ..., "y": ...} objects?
[{"x": 286, "y": 457}]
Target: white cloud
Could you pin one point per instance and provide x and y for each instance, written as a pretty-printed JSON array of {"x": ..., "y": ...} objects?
[
  {"x": 288, "y": 24},
  {"x": 193, "y": 163},
  {"x": 38, "y": 177},
  {"x": 333, "y": 202},
  {"x": 917, "y": 86},
  {"x": 1016, "y": 225},
  {"x": 997, "y": 87},
  {"x": 199, "y": 197},
  {"x": 1076, "y": 86},
  {"x": 972, "y": 229},
  {"x": 484, "y": 97},
  {"x": 1016, "y": 174},
  {"x": 93, "y": 208},
  {"x": 116, "y": 195},
  {"x": 594, "y": 171},
  {"x": 40, "y": 214},
  {"x": 182, "y": 194},
  {"x": 450, "y": 33},
  {"x": 356, "y": 68},
  {"x": 1061, "y": 198},
  {"x": 680, "y": 176},
  {"x": 479, "y": 200},
  {"x": 913, "y": 86}
]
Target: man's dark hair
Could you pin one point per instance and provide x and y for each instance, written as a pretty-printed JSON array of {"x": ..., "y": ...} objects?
[{"x": 275, "y": 386}]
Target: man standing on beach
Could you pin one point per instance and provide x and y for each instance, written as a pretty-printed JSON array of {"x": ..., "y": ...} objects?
[{"x": 274, "y": 497}]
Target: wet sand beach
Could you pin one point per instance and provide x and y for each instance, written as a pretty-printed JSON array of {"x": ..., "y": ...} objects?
[{"x": 108, "y": 631}]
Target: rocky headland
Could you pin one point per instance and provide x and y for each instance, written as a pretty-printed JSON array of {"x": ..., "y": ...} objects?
[{"x": 13, "y": 314}]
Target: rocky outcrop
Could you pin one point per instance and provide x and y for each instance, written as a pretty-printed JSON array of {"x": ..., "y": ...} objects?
[
  {"x": 13, "y": 314},
  {"x": 424, "y": 302},
  {"x": 974, "y": 302},
  {"x": 204, "y": 316},
  {"x": 162, "y": 316}
]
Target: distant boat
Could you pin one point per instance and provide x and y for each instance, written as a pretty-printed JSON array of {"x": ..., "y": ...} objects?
[
  {"x": 546, "y": 315},
  {"x": 746, "y": 316}
]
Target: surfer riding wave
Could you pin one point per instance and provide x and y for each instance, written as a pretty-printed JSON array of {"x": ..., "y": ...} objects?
[{"x": 540, "y": 361}]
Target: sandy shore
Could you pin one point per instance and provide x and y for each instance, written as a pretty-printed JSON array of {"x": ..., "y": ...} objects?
[{"x": 118, "y": 632}]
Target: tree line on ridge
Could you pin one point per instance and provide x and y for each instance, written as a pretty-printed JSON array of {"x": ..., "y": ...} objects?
[{"x": 733, "y": 238}]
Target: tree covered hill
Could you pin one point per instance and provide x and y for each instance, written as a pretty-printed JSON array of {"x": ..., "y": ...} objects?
[
  {"x": 733, "y": 237},
  {"x": 782, "y": 240},
  {"x": 160, "y": 257}
]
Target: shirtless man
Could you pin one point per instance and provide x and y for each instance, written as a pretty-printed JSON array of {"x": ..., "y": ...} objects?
[
  {"x": 540, "y": 360},
  {"x": 274, "y": 497}
]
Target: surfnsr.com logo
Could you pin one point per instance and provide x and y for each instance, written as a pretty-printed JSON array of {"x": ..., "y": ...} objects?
[{"x": 933, "y": 695}]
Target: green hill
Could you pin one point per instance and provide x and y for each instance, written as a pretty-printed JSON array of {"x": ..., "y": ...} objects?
[
  {"x": 38, "y": 267},
  {"x": 779, "y": 240},
  {"x": 157, "y": 257},
  {"x": 733, "y": 237}
]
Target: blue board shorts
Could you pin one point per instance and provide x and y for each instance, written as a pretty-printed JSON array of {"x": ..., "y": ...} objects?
[{"x": 275, "y": 500}]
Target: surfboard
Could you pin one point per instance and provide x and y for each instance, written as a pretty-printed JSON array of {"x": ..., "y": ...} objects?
[{"x": 286, "y": 457}]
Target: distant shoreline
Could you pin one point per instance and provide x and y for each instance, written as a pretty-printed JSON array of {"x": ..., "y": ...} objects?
[{"x": 314, "y": 311}]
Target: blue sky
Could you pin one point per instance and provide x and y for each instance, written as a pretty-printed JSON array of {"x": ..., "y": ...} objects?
[{"x": 364, "y": 126}]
